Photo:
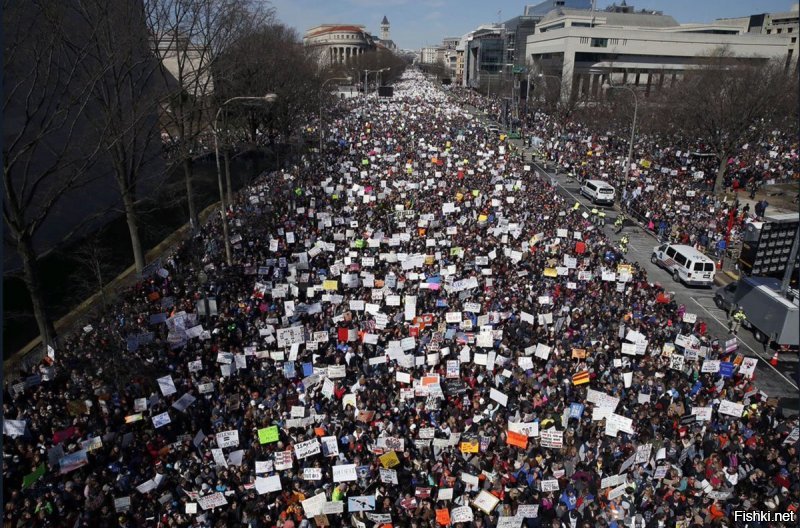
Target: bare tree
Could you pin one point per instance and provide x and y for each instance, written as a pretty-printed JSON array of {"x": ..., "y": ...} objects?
[
  {"x": 729, "y": 101},
  {"x": 189, "y": 37},
  {"x": 437, "y": 69},
  {"x": 47, "y": 157},
  {"x": 271, "y": 59},
  {"x": 95, "y": 269},
  {"x": 371, "y": 60},
  {"x": 546, "y": 94},
  {"x": 124, "y": 101}
]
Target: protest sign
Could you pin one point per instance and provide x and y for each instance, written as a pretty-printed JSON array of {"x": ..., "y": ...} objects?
[
  {"x": 306, "y": 449},
  {"x": 268, "y": 435},
  {"x": 344, "y": 473}
]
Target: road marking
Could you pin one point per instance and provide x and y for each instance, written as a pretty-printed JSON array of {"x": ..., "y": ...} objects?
[
  {"x": 748, "y": 346},
  {"x": 555, "y": 180}
]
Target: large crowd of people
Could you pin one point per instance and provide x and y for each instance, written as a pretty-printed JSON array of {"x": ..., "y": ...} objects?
[
  {"x": 669, "y": 188},
  {"x": 416, "y": 330}
]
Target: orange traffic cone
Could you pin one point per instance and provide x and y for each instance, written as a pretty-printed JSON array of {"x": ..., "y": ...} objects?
[{"x": 774, "y": 360}]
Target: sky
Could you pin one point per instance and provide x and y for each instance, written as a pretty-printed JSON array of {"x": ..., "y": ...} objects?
[{"x": 418, "y": 23}]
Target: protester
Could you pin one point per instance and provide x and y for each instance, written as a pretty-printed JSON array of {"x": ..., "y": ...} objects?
[
  {"x": 669, "y": 185},
  {"x": 416, "y": 330}
]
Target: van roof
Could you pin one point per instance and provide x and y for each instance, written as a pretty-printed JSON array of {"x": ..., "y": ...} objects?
[
  {"x": 600, "y": 183},
  {"x": 691, "y": 253}
]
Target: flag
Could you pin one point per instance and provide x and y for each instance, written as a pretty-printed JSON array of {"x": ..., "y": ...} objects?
[{"x": 580, "y": 378}]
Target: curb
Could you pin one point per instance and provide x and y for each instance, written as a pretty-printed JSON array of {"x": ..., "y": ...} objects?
[{"x": 723, "y": 278}]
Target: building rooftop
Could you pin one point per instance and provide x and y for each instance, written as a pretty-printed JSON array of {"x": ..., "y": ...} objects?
[
  {"x": 542, "y": 8},
  {"x": 328, "y": 28},
  {"x": 646, "y": 20},
  {"x": 385, "y": 21}
]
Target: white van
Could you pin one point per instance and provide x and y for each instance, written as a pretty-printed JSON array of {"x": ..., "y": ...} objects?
[
  {"x": 686, "y": 264},
  {"x": 598, "y": 191}
]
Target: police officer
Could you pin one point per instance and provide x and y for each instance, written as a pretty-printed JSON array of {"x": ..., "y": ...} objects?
[
  {"x": 601, "y": 218},
  {"x": 594, "y": 215},
  {"x": 619, "y": 223},
  {"x": 737, "y": 318},
  {"x": 623, "y": 244}
]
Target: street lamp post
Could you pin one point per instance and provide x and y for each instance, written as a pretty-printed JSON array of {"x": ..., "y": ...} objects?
[
  {"x": 321, "y": 91},
  {"x": 609, "y": 86},
  {"x": 269, "y": 98}
]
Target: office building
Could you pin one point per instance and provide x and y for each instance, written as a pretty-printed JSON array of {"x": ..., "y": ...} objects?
[
  {"x": 645, "y": 49},
  {"x": 430, "y": 54}
]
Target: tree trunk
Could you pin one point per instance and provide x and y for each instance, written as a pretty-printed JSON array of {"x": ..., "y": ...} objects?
[
  {"x": 227, "y": 160},
  {"x": 33, "y": 282},
  {"x": 187, "y": 176},
  {"x": 133, "y": 229},
  {"x": 720, "y": 179}
]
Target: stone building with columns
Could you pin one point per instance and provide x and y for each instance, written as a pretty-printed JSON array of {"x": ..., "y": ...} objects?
[{"x": 338, "y": 43}]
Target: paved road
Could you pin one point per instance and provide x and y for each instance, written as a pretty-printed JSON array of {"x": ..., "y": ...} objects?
[{"x": 781, "y": 382}]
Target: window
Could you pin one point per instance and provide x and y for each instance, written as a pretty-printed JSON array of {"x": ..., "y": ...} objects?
[
  {"x": 789, "y": 30},
  {"x": 680, "y": 259},
  {"x": 599, "y": 43},
  {"x": 778, "y": 31},
  {"x": 670, "y": 252},
  {"x": 698, "y": 266},
  {"x": 769, "y": 32},
  {"x": 709, "y": 266},
  {"x": 794, "y": 39}
]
